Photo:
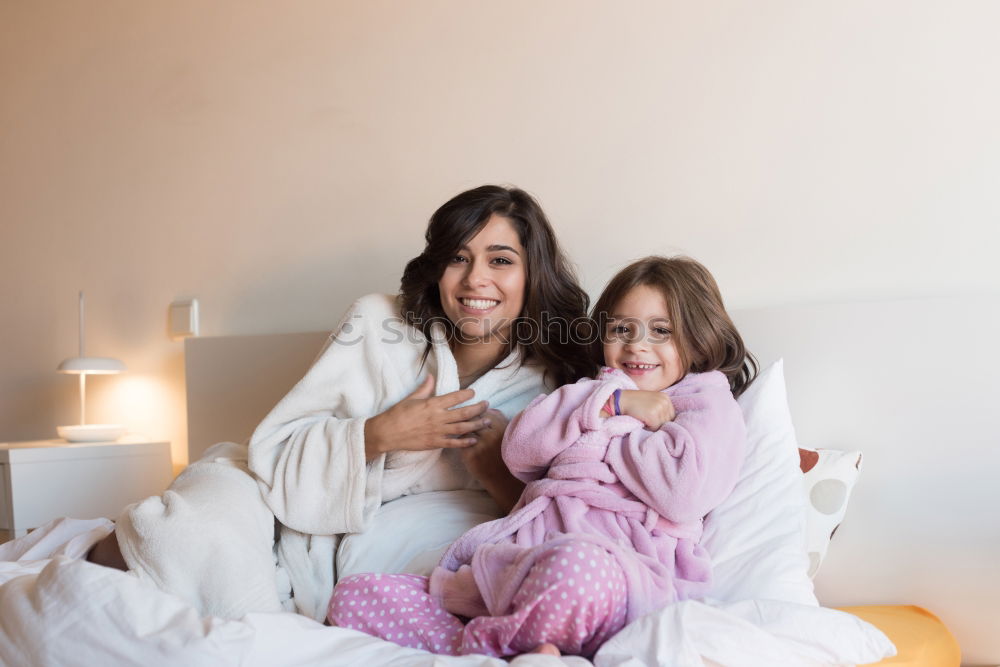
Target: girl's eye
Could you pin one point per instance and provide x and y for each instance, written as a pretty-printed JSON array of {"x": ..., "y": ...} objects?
[
  {"x": 662, "y": 332},
  {"x": 458, "y": 259},
  {"x": 502, "y": 260}
]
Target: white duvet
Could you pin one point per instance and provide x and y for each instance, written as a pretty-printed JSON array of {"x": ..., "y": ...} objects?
[
  {"x": 65, "y": 611},
  {"x": 56, "y": 609}
]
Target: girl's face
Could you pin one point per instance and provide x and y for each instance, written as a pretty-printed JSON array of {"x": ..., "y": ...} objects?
[
  {"x": 482, "y": 287},
  {"x": 639, "y": 340}
]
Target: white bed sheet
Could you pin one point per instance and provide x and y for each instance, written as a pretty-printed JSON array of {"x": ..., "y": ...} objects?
[{"x": 56, "y": 609}]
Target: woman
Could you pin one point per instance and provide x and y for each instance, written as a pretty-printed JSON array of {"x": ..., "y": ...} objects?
[{"x": 384, "y": 412}]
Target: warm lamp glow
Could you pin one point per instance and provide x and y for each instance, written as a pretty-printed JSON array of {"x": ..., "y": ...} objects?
[
  {"x": 142, "y": 398},
  {"x": 154, "y": 408}
]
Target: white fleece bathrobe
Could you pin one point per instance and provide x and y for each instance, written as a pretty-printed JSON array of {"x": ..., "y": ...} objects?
[{"x": 210, "y": 538}]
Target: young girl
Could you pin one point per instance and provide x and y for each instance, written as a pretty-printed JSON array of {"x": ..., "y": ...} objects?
[{"x": 609, "y": 524}]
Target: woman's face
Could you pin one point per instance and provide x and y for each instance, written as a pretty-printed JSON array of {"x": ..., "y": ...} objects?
[
  {"x": 482, "y": 288},
  {"x": 639, "y": 340}
]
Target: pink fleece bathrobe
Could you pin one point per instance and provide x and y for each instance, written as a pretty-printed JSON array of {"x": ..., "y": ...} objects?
[{"x": 606, "y": 530}]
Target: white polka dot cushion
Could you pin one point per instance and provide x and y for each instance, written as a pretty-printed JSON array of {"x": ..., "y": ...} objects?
[{"x": 828, "y": 477}]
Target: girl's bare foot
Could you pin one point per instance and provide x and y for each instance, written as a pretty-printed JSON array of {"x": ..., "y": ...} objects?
[{"x": 546, "y": 649}]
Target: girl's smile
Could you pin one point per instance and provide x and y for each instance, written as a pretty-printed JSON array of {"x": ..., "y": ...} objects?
[{"x": 638, "y": 368}]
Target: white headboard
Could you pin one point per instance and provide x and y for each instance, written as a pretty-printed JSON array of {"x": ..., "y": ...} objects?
[
  {"x": 913, "y": 384},
  {"x": 233, "y": 382}
]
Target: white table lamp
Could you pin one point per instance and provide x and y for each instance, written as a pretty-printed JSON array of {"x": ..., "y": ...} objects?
[{"x": 83, "y": 366}]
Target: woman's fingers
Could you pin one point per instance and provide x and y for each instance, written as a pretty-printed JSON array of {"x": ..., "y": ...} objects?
[
  {"x": 498, "y": 418},
  {"x": 458, "y": 428},
  {"x": 453, "y": 398},
  {"x": 468, "y": 412},
  {"x": 422, "y": 421},
  {"x": 457, "y": 442},
  {"x": 424, "y": 390}
]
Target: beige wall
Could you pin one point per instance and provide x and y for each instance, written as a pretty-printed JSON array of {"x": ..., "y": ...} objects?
[{"x": 277, "y": 159}]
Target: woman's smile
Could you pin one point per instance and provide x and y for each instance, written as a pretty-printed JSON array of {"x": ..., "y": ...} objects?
[{"x": 478, "y": 306}]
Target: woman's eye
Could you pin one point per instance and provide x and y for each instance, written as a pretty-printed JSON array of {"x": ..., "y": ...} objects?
[
  {"x": 458, "y": 259},
  {"x": 502, "y": 260}
]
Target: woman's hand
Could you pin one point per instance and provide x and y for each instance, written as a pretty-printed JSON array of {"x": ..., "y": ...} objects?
[
  {"x": 485, "y": 463},
  {"x": 652, "y": 408},
  {"x": 423, "y": 421}
]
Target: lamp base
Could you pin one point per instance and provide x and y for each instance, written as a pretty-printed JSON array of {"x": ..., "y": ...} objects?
[{"x": 91, "y": 432}]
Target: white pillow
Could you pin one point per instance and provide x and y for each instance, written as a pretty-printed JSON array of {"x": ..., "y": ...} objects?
[
  {"x": 756, "y": 537},
  {"x": 411, "y": 533}
]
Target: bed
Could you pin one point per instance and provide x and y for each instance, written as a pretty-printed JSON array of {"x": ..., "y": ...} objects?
[{"x": 908, "y": 384}]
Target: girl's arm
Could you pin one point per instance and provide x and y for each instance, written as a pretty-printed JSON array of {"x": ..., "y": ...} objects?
[
  {"x": 689, "y": 466},
  {"x": 550, "y": 424}
]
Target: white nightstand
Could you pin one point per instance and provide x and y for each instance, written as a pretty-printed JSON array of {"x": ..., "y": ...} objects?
[{"x": 47, "y": 479}]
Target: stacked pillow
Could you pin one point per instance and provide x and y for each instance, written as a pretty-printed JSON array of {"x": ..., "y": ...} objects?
[
  {"x": 769, "y": 537},
  {"x": 755, "y": 536}
]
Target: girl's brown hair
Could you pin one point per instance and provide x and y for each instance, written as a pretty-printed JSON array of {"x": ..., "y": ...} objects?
[
  {"x": 705, "y": 335},
  {"x": 552, "y": 293}
]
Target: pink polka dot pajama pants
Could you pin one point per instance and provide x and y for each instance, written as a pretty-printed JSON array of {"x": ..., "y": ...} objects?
[{"x": 574, "y": 596}]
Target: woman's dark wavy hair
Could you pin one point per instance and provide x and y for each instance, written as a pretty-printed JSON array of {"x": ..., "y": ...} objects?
[
  {"x": 552, "y": 296},
  {"x": 706, "y": 338}
]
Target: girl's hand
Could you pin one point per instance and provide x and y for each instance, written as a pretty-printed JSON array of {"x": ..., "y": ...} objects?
[
  {"x": 485, "y": 462},
  {"x": 423, "y": 421},
  {"x": 652, "y": 408}
]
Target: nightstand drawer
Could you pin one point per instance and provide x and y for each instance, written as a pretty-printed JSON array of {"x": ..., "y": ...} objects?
[{"x": 51, "y": 479}]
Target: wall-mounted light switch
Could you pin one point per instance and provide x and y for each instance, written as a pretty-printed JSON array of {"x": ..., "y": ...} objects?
[{"x": 182, "y": 320}]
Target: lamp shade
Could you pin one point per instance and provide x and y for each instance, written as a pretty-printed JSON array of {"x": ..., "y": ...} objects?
[{"x": 91, "y": 365}]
